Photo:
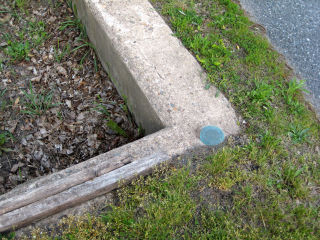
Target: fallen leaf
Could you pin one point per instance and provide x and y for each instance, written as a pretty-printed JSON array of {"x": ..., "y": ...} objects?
[
  {"x": 36, "y": 79},
  {"x": 16, "y": 166},
  {"x": 3, "y": 44},
  {"x": 16, "y": 101},
  {"x": 69, "y": 104},
  {"x": 62, "y": 71}
]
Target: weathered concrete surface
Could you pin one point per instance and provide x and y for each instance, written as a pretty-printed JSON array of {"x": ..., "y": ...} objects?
[
  {"x": 164, "y": 86},
  {"x": 149, "y": 64}
]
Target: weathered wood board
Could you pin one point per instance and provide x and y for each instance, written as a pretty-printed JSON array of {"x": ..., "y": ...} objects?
[{"x": 79, "y": 193}]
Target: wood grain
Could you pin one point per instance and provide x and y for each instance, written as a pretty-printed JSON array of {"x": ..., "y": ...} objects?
[
  {"x": 48, "y": 188},
  {"x": 79, "y": 193}
]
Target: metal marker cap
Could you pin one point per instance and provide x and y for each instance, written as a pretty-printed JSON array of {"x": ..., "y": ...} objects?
[{"x": 211, "y": 135}]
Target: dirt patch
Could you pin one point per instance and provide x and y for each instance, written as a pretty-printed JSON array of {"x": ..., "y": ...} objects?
[{"x": 58, "y": 106}]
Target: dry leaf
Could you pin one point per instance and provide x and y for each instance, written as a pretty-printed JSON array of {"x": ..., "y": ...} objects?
[{"x": 16, "y": 101}]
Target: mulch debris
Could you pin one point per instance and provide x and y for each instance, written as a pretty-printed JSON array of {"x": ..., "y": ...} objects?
[{"x": 75, "y": 99}]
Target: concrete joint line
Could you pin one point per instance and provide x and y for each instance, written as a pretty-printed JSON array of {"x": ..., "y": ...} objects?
[{"x": 164, "y": 86}]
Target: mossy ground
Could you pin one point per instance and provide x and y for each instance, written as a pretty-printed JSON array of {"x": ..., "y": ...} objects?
[{"x": 263, "y": 184}]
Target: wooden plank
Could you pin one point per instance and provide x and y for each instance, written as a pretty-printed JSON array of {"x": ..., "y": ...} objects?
[
  {"x": 46, "y": 189},
  {"x": 80, "y": 193},
  {"x": 112, "y": 156},
  {"x": 137, "y": 149}
]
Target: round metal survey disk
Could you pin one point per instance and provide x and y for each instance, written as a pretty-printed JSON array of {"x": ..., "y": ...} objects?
[{"x": 211, "y": 135}]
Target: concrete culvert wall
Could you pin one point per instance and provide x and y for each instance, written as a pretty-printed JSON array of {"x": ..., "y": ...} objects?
[{"x": 165, "y": 88}]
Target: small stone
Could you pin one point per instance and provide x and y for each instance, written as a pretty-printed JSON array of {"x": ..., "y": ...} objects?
[{"x": 1, "y": 179}]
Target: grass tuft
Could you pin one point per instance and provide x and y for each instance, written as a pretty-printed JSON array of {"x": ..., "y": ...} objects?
[
  {"x": 19, "y": 45},
  {"x": 37, "y": 103},
  {"x": 4, "y": 138}
]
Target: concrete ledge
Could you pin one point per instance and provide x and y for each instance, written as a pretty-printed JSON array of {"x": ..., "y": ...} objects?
[
  {"x": 164, "y": 86},
  {"x": 163, "y": 82}
]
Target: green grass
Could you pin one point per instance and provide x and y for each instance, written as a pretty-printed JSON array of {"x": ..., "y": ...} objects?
[
  {"x": 20, "y": 44},
  {"x": 7, "y": 236},
  {"x": 61, "y": 52},
  {"x": 4, "y": 138},
  {"x": 84, "y": 46},
  {"x": 37, "y": 103},
  {"x": 22, "y": 5},
  {"x": 37, "y": 33},
  {"x": 100, "y": 107},
  {"x": 115, "y": 127},
  {"x": 72, "y": 23},
  {"x": 169, "y": 195},
  {"x": 87, "y": 46},
  {"x": 3, "y": 102},
  {"x": 1, "y": 64},
  {"x": 298, "y": 134},
  {"x": 17, "y": 50},
  {"x": 261, "y": 184}
]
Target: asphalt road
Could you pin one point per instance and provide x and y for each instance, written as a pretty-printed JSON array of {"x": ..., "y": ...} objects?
[{"x": 293, "y": 27}]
